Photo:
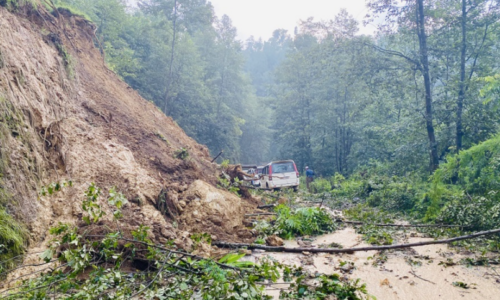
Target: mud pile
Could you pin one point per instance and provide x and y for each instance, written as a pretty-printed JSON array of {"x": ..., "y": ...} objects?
[{"x": 65, "y": 116}]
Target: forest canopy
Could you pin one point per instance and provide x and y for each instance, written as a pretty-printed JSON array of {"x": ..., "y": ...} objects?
[{"x": 420, "y": 89}]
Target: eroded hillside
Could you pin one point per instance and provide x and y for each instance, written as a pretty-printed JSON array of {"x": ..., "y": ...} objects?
[{"x": 66, "y": 116}]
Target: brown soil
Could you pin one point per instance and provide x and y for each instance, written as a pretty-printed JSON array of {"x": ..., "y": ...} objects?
[{"x": 77, "y": 120}]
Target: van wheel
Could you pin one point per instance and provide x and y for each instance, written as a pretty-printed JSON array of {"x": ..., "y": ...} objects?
[
  {"x": 276, "y": 189},
  {"x": 295, "y": 188}
]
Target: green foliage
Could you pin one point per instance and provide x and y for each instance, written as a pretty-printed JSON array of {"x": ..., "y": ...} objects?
[
  {"x": 15, "y": 4},
  {"x": 301, "y": 222},
  {"x": 465, "y": 189},
  {"x": 376, "y": 235},
  {"x": 390, "y": 193},
  {"x": 475, "y": 170},
  {"x": 225, "y": 164},
  {"x": 54, "y": 187},
  {"x": 233, "y": 187},
  {"x": 98, "y": 267},
  {"x": 13, "y": 238},
  {"x": 198, "y": 238},
  {"x": 91, "y": 206},
  {"x": 320, "y": 185},
  {"x": 328, "y": 285},
  {"x": 367, "y": 214},
  {"x": 475, "y": 212},
  {"x": 181, "y": 154}
]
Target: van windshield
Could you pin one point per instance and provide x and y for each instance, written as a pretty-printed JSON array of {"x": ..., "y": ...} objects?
[{"x": 285, "y": 167}]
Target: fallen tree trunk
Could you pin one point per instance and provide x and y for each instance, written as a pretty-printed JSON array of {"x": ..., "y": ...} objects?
[
  {"x": 352, "y": 250},
  {"x": 266, "y": 206},
  {"x": 260, "y": 214},
  {"x": 400, "y": 225}
]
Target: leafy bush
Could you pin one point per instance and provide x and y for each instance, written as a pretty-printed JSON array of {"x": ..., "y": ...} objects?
[
  {"x": 328, "y": 285},
  {"x": 320, "y": 185},
  {"x": 390, "y": 193},
  {"x": 475, "y": 212},
  {"x": 464, "y": 190},
  {"x": 375, "y": 235},
  {"x": 302, "y": 221},
  {"x": 355, "y": 187},
  {"x": 476, "y": 170}
]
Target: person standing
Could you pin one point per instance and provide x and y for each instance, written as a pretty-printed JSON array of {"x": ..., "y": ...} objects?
[{"x": 309, "y": 177}]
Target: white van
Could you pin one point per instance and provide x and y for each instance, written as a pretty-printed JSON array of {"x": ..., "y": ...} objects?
[{"x": 279, "y": 174}]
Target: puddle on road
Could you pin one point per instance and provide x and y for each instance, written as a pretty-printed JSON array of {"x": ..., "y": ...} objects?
[{"x": 393, "y": 280}]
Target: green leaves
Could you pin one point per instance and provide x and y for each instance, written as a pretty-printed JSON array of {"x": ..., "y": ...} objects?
[
  {"x": 47, "y": 255},
  {"x": 54, "y": 187},
  {"x": 300, "y": 222}
]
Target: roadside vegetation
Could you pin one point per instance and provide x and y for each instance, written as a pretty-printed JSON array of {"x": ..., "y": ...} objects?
[{"x": 462, "y": 192}]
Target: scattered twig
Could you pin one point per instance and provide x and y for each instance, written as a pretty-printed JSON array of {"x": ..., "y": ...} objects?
[
  {"x": 415, "y": 274},
  {"x": 351, "y": 250}
]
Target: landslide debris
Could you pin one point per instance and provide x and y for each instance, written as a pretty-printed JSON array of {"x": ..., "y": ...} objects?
[{"x": 66, "y": 116}]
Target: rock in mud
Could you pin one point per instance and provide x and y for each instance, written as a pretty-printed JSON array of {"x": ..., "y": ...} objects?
[
  {"x": 245, "y": 251},
  {"x": 274, "y": 240}
]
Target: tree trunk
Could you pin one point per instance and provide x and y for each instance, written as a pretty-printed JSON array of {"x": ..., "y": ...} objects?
[
  {"x": 169, "y": 79},
  {"x": 424, "y": 62},
  {"x": 461, "y": 92}
]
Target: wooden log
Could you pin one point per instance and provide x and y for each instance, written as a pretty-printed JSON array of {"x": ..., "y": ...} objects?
[
  {"x": 266, "y": 206},
  {"x": 401, "y": 225},
  {"x": 260, "y": 214},
  {"x": 352, "y": 250}
]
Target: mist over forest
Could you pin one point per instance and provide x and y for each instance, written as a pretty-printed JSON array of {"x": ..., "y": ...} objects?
[{"x": 323, "y": 95}]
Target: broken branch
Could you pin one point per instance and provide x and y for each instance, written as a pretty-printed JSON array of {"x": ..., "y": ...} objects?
[
  {"x": 220, "y": 153},
  {"x": 260, "y": 214},
  {"x": 414, "y": 274}
]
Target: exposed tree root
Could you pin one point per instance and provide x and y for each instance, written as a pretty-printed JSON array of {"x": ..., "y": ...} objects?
[{"x": 352, "y": 250}]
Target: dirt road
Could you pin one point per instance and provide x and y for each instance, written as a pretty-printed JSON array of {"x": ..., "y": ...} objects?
[{"x": 414, "y": 273}]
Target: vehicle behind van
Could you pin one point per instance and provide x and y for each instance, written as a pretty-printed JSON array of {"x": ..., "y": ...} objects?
[{"x": 279, "y": 174}]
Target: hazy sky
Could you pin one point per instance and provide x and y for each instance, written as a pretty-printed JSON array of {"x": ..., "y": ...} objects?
[{"x": 261, "y": 17}]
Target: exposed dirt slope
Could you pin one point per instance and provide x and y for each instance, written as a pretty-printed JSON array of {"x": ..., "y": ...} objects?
[{"x": 66, "y": 116}]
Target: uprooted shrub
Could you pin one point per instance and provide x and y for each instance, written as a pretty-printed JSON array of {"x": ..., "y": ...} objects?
[{"x": 299, "y": 222}]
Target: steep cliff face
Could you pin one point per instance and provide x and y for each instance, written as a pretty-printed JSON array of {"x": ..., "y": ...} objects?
[{"x": 65, "y": 116}]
